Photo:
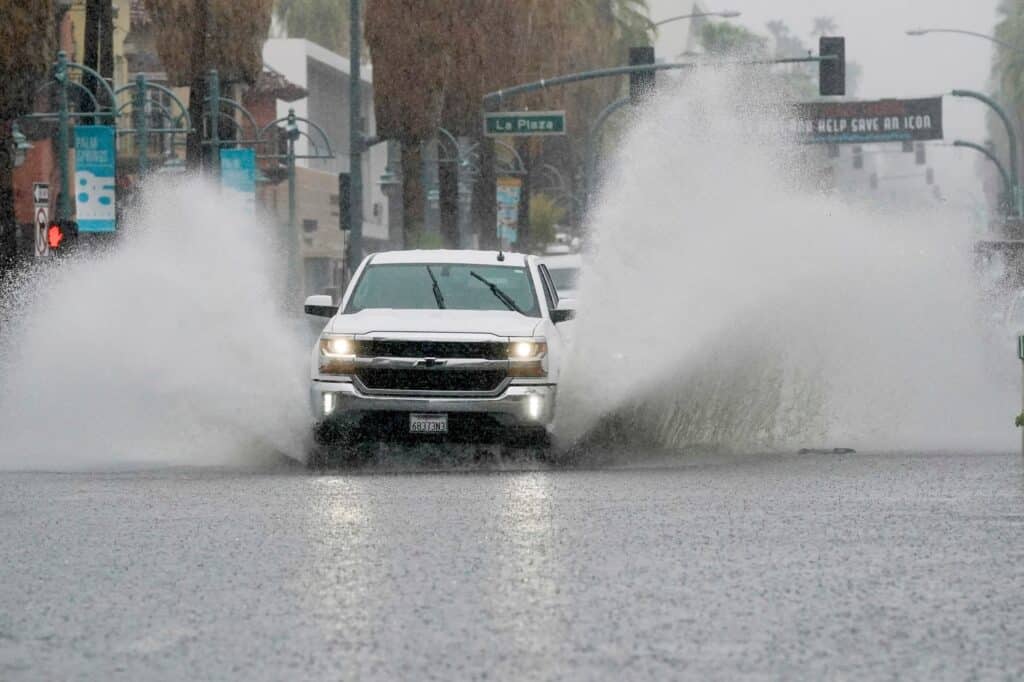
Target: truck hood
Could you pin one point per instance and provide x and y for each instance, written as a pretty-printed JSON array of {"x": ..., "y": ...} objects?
[{"x": 494, "y": 322}]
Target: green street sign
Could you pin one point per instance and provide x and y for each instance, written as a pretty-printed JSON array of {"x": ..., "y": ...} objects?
[{"x": 523, "y": 123}]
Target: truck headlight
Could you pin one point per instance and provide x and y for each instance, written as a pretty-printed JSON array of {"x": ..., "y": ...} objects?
[
  {"x": 527, "y": 358},
  {"x": 337, "y": 354}
]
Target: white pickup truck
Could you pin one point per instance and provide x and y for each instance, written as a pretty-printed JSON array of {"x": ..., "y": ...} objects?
[{"x": 438, "y": 344}]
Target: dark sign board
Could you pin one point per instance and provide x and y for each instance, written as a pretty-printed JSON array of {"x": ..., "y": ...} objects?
[{"x": 885, "y": 120}]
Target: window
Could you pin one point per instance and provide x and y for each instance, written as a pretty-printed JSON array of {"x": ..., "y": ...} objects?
[
  {"x": 408, "y": 286},
  {"x": 564, "y": 278}
]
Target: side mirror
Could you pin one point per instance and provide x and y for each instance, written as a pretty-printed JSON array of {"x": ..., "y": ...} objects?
[
  {"x": 320, "y": 305},
  {"x": 562, "y": 315}
]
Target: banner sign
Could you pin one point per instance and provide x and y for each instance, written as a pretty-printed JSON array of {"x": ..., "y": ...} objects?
[
  {"x": 95, "y": 160},
  {"x": 508, "y": 208},
  {"x": 886, "y": 120},
  {"x": 238, "y": 176}
]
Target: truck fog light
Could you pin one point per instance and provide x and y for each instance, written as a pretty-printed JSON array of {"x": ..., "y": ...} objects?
[
  {"x": 534, "y": 405},
  {"x": 329, "y": 403}
]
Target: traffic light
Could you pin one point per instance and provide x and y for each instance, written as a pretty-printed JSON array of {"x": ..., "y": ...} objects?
[
  {"x": 641, "y": 84},
  {"x": 832, "y": 68},
  {"x": 929, "y": 176},
  {"x": 919, "y": 158},
  {"x": 908, "y": 146},
  {"x": 344, "y": 201},
  {"x": 858, "y": 157},
  {"x": 61, "y": 235}
]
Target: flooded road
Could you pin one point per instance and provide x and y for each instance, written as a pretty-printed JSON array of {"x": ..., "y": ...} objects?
[{"x": 771, "y": 566}]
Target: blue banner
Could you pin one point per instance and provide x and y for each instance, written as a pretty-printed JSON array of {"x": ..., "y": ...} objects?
[
  {"x": 95, "y": 181},
  {"x": 508, "y": 209},
  {"x": 238, "y": 176}
]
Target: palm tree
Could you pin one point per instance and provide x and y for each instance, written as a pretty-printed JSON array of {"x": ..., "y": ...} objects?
[
  {"x": 435, "y": 59},
  {"x": 823, "y": 26},
  {"x": 194, "y": 36},
  {"x": 26, "y": 51},
  {"x": 1008, "y": 65},
  {"x": 324, "y": 22}
]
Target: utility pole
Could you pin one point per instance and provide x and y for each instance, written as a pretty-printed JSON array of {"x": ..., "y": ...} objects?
[{"x": 355, "y": 139}]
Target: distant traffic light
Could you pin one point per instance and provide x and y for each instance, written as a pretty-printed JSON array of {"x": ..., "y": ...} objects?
[
  {"x": 929, "y": 176},
  {"x": 641, "y": 84},
  {"x": 832, "y": 68},
  {"x": 61, "y": 236},
  {"x": 919, "y": 157},
  {"x": 908, "y": 146},
  {"x": 858, "y": 157}
]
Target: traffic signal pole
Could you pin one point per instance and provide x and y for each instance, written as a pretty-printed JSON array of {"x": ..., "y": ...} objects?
[
  {"x": 498, "y": 96},
  {"x": 356, "y": 140}
]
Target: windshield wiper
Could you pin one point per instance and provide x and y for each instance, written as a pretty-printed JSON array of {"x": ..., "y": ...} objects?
[
  {"x": 499, "y": 294},
  {"x": 438, "y": 296}
]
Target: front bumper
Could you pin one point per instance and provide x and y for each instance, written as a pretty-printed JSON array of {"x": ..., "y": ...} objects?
[{"x": 528, "y": 405}]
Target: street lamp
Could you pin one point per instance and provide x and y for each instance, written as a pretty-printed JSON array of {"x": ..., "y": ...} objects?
[
  {"x": 724, "y": 14},
  {"x": 21, "y": 145},
  {"x": 993, "y": 39}
]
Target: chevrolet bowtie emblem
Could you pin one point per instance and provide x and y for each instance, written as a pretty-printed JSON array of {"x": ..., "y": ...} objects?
[{"x": 431, "y": 362}]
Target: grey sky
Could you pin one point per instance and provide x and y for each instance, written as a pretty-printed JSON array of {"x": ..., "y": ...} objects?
[{"x": 894, "y": 64}]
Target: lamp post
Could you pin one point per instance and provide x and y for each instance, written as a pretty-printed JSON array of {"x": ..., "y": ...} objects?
[
  {"x": 992, "y": 39},
  {"x": 1011, "y": 136},
  {"x": 1007, "y": 183},
  {"x": 724, "y": 14}
]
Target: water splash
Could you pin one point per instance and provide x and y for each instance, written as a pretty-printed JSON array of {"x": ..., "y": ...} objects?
[
  {"x": 731, "y": 302},
  {"x": 171, "y": 348}
]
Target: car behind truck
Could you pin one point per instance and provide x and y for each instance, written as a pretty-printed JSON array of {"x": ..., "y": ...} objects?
[{"x": 429, "y": 345}]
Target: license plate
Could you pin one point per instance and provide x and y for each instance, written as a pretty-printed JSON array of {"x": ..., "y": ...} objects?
[{"x": 428, "y": 423}]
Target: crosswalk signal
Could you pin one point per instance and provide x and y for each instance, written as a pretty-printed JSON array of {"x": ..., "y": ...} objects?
[
  {"x": 641, "y": 83},
  {"x": 60, "y": 235},
  {"x": 832, "y": 67}
]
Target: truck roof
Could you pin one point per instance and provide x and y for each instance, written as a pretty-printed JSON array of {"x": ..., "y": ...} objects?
[{"x": 467, "y": 257}]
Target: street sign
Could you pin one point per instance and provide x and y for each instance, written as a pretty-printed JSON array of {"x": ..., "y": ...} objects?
[
  {"x": 524, "y": 123},
  {"x": 95, "y": 188},
  {"x": 886, "y": 120},
  {"x": 41, "y": 217}
]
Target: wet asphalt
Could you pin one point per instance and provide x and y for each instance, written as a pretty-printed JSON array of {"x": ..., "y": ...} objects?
[{"x": 856, "y": 566}]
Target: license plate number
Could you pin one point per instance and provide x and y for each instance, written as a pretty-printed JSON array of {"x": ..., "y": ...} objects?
[{"x": 428, "y": 423}]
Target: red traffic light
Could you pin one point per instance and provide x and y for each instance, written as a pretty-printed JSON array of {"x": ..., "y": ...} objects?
[{"x": 54, "y": 236}]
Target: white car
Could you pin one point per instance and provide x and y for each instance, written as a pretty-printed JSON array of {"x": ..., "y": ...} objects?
[
  {"x": 565, "y": 274},
  {"x": 428, "y": 344}
]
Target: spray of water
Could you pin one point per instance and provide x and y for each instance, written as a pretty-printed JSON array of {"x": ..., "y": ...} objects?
[
  {"x": 731, "y": 302},
  {"x": 171, "y": 348}
]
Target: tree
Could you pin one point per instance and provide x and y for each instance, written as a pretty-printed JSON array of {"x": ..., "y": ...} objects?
[
  {"x": 724, "y": 39},
  {"x": 435, "y": 59},
  {"x": 824, "y": 26},
  {"x": 324, "y": 22},
  {"x": 194, "y": 36},
  {"x": 1008, "y": 67},
  {"x": 26, "y": 52}
]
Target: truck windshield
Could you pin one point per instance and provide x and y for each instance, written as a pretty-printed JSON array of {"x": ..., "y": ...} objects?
[{"x": 410, "y": 286}]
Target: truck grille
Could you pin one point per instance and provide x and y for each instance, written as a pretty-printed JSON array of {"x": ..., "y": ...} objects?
[
  {"x": 391, "y": 348},
  {"x": 440, "y": 380}
]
